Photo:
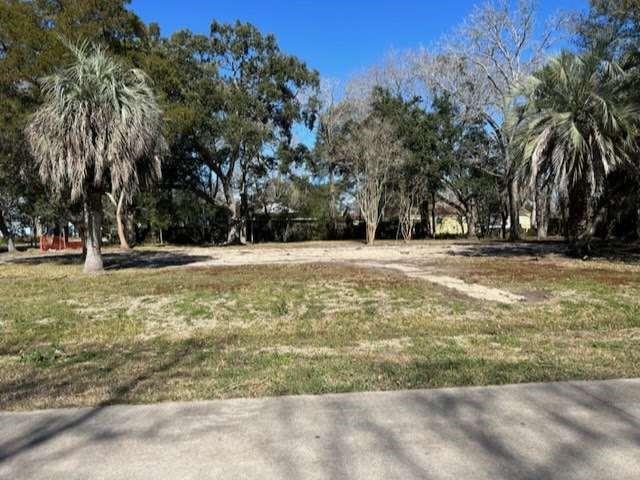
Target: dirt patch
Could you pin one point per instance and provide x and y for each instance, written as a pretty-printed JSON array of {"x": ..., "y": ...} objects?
[{"x": 479, "y": 292}]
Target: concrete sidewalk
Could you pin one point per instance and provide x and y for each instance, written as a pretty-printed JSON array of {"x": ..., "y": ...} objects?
[{"x": 577, "y": 430}]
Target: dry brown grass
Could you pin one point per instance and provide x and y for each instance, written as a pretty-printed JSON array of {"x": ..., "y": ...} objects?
[{"x": 144, "y": 334}]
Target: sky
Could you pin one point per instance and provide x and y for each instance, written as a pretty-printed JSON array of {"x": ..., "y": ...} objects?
[{"x": 337, "y": 37}]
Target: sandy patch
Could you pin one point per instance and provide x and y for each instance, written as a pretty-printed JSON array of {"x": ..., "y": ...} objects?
[{"x": 472, "y": 290}]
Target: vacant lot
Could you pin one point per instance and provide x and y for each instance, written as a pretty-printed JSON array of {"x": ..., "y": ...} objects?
[{"x": 178, "y": 324}]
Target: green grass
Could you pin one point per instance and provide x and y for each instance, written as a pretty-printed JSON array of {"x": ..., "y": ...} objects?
[{"x": 143, "y": 335}]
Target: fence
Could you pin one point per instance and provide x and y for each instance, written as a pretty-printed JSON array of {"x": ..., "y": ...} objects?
[{"x": 59, "y": 242}]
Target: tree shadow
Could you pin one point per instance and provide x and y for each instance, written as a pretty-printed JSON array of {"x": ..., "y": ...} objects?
[
  {"x": 618, "y": 251},
  {"x": 54, "y": 425},
  {"x": 151, "y": 259},
  {"x": 510, "y": 249},
  {"x": 545, "y": 432}
]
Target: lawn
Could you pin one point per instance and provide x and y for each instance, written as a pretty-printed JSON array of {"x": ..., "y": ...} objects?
[{"x": 147, "y": 335}]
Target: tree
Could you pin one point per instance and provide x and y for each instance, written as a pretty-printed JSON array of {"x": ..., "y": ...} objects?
[
  {"x": 611, "y": 28},
  {"x": 369, "y": 150},
  {"x": 481, "y": 64},
  {"x": 96, "y": 132},
  {"x": 232, "y": 101},
  {"x": 31, "y": 48},
  {"x": 470, "y": 187},
  {"x": 579, "y": 126},
  {"x": 325, "y": 161}
]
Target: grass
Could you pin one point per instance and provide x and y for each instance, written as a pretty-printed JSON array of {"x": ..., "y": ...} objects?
[{"x": 142, "y": 335}]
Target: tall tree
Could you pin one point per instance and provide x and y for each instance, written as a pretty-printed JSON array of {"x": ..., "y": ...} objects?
[
  {"x": 369, "y": 150},
  {"x": 480, "y": 65},
  {"x": 238, "y": 100},
  {"x": 423, "y": 134},
  {"x": 31, "y": 48},
  {"x": 580, "y": 125},
  {"x": 611, "y": 28},
  {"x": 325, "y": 161},
  {"x": 98, "y": 131}
]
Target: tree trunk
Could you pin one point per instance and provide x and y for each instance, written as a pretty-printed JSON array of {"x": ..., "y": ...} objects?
[
  {"x": 333, "y": 214},
  {"x": 39, "y": 228},
  {"x": 434, "y": 226},
  {"x": 122, "y": 234},
  {"x": 130, "y": 229},
  {"x": 425, "y": 217},
  {"x": 235, "y": 233},
  {"x": 577, "y": 207},
  {"x": 7, "y": 234},
  {"x": 593, "y": 220},
  {"x": 405, "y": 218},
  {"x": 471, "y": 220},
  {"x": 541, "y": 208},
  {"x": 514, "y": 210},
  {"x": 543, "y": 212},
  {"x": 371, "y": 232},
  {"x": 93, "y": 233},
  {"x": 503, "y": 224},
  {"x": 120, "y": 213},
  {"x": 534, "y": 209},
  {"x": 11, "y": 245}
]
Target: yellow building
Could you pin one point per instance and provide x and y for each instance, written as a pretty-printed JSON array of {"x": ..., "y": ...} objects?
[
  {"x": 450, "y": 225},
  {"x": 447, "y": 223}
]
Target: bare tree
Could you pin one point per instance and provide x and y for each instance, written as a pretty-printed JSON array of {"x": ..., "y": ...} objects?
[
  {"x": 409, "y": 188},
  {"x": 481, "y": 64},
  {"x": 408, "y": 195},
  {"x": 396, "y": 73},
  {"x": 369, "y": 150},
  {"x": 333, "y": 117}
]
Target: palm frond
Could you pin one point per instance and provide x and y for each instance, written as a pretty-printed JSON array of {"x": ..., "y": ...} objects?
[{"x": 98, "y": 128}]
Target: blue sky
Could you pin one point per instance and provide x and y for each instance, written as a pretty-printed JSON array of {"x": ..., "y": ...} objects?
[{"x": 337, "y": 38}]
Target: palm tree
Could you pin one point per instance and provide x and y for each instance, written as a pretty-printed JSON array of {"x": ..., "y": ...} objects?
[
  {"x": 579, "y": 124},
  {"x": 97, "y": 132}
]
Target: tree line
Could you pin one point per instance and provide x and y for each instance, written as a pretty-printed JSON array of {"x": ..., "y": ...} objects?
[{"x": 108, "y": 124}]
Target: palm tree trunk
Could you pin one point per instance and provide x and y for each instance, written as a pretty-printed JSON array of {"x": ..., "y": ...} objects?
[
  {"x": 543, "y": 212},
  {"x": 93, "y": 233},
  {"x": 7, "y": 234},
  {"x": 578, "y": 200},
  {"x": 541, "y": 208},
  {"x": 514, "y": 213}
]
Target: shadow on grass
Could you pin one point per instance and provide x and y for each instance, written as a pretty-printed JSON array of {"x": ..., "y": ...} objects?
[
  {"x": 567, "y": 426},
  {"x": 118, "y": 260},
  {"x": 628, "y": 252},
  {"x": 510, "y": 249},
  {"x": 53, "y": 425}
]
